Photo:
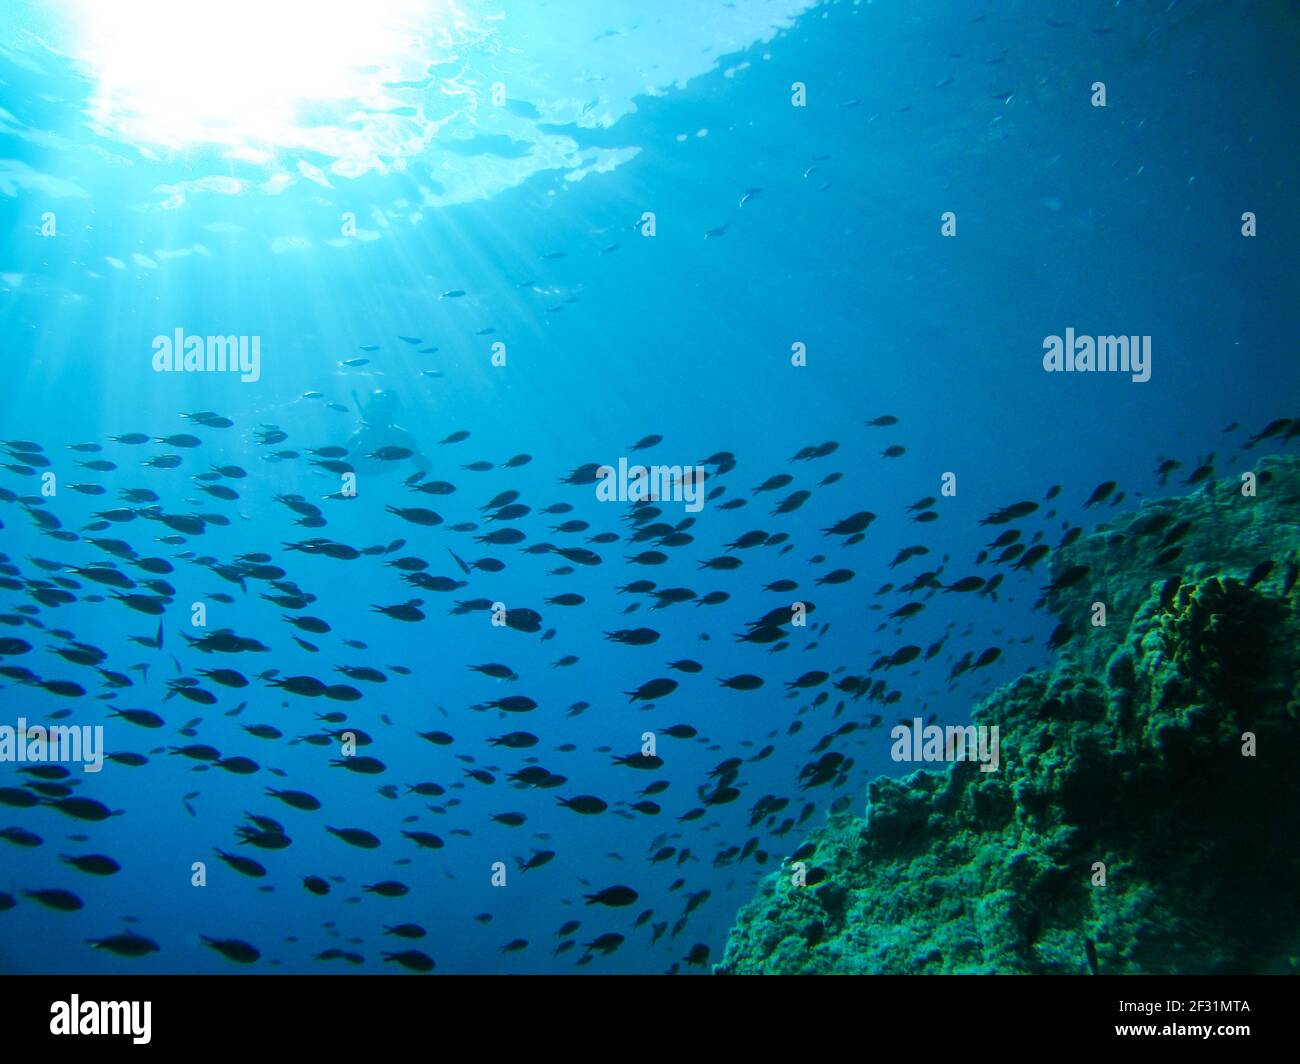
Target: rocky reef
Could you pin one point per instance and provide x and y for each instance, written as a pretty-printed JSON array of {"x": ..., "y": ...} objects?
[{"x": 1145, "y": 814}]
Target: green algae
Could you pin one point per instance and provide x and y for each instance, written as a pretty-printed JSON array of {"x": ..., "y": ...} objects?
[{"x": 1128, "y": 758}]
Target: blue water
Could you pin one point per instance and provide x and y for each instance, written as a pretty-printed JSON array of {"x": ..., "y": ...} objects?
[{"x": 1117, "y": 220}]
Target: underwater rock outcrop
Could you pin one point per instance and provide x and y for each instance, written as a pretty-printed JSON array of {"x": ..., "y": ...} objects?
[{"x": 1161, "y": 750}]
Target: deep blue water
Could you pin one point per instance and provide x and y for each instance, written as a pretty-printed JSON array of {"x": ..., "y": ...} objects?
[{"x": 1118, "y": 220}]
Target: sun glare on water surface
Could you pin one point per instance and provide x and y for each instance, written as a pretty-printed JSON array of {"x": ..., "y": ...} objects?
[{"x": 253, "y": 75}]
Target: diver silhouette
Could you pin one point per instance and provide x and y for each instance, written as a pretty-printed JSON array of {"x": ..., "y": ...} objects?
[{"x": 378, "y": 431}]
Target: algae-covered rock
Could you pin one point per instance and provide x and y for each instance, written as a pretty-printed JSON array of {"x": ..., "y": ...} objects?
[{"x": 1145, "y": 815}]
